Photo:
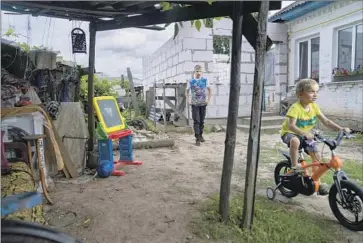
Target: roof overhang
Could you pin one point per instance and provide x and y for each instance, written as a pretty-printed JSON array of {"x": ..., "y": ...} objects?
[{"x": 298, "y": 11}]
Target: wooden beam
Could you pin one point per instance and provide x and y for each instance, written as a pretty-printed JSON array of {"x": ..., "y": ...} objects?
[
  {"x": 176, "y": 110},
  {"x": 155, "y": 27},
  {"x": 253, "y": 148},
  {"x": 249, "y": 30},
  {"x": 235, "y": 85},
  {"x": 68, "y": 10},
  {"x": 217, "y": 9},
  {"x": 133, "y": 94},
  {"x": 91, "y": 66}
]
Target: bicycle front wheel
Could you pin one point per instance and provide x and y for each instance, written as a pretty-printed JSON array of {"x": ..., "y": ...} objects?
[{"x": 14, "y": 231}]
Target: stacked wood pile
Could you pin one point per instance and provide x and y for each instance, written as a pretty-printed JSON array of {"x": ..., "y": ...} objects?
[{"x": 18, "y": 181}]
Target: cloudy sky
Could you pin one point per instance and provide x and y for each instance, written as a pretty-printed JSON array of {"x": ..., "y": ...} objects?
[{"x": 115, "y": 50}]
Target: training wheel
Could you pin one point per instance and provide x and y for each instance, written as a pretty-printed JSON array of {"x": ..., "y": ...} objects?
[{"x": 270, "y": 192}]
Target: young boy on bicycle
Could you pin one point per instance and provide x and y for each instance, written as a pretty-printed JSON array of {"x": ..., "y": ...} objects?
[{"x": 300, "y": 119}]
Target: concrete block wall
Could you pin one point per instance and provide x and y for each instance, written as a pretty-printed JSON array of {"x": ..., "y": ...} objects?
[
  {"x": 343, "y": 101},
  {"x": 175, "y": 61}
]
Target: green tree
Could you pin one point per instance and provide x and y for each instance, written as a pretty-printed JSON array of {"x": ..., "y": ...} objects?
[
  {"x": 208, "y": 23},
  {"x": 102, "y": 87}
]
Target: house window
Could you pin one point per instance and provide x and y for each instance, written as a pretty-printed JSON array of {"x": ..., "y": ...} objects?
[
  {"x": 350, "y": 47},
  {"x": 308, "y": 63}
]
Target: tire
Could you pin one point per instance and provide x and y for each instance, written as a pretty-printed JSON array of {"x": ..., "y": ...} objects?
[
  {"x": 284, "y": 191},
  {"x": 14, "y": 231},
  {"x": 333, "y": 193}
]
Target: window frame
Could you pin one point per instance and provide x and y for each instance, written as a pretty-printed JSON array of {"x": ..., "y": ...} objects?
[
  {"x": 354, "y": 26},
  {"x": 297, "y": 47}
]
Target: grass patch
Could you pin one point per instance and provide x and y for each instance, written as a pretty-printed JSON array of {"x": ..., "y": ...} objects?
[{"x": 273, "y": 222}]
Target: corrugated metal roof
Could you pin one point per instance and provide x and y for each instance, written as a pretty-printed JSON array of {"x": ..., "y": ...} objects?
[
  {"x": 289, "y": 7},
  {"x": 297, "y": 9}
]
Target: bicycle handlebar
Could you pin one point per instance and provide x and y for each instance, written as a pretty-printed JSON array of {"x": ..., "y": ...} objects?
[{"x": 332, "y": 144}]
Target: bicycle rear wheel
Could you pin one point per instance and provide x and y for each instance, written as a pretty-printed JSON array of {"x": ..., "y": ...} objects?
[{"x": 14, "y": 231}]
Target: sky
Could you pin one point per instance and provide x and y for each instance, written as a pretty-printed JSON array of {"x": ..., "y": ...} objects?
[{"x": 115, "y": 50}]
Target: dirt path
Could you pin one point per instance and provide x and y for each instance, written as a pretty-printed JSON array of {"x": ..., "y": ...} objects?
[{"x": 155, "y": 202}]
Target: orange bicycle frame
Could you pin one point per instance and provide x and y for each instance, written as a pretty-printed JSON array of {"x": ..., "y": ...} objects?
[{"x": 335, "y": 163}]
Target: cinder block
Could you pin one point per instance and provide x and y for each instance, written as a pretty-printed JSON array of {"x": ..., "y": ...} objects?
[
  {"x": 247, "y": 68},
  {"x": 209, "y": 66},
  {"x": 212, "y": 111},
  {"x": 202, "y": 56},
  {"x": 223, "y": 90},
  {"x": 222, "y": 100},
  {"x": 189, "y": 66},
  {"x": 173, "y": 71},
  {"x": 282, "y": 78},
  {"x": 175, "y": 59},
  {"x": 168, "y": 72},
  {"x": 246, "y": 57},
  {"x": 169, "y": 63},
  {"x": 281, "y": 58},
  {"x": 194, "y": 44},
  {"x": 246, "y": 46},
  {"x": 185, "y": 56},
  {"x": 223, "y": 111},
  {"x": 282, "y": 69},
  {"x": 179, "y": 68},
  {"x": 244, "y": 110},
  {"x": 210, "y": 44}
]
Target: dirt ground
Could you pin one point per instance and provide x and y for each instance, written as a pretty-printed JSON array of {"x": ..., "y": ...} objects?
[{"x": 156, "y": 201}]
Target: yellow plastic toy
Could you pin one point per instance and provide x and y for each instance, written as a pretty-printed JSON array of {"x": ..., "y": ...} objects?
[{"x": 109, "y": 114}]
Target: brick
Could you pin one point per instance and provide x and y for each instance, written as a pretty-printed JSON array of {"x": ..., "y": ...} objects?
[
  {"x": 194, "y": 44},
  {"x": 202, "y": 56}
]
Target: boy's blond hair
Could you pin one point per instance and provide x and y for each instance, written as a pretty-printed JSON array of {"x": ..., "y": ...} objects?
[
  {"x": 305, "y": 85},
  {"x": 197, "y": 68}
]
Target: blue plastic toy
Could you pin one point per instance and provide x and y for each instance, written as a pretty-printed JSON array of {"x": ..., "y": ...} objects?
[{"x": 105, "y": 168}]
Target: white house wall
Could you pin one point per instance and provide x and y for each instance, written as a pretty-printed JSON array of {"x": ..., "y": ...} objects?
[
  {"x": 175, "y": 60},
  {"x": 337, "y": 99},
  {"x": 322, "y": 22}
]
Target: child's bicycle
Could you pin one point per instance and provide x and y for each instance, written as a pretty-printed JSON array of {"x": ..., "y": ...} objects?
[
  {"x": 16, "y": 231},
  {"x": 343, "y": 192}
]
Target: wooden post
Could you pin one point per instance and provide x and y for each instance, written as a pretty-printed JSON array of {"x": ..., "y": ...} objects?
[
  {"x": 235, "y": 84},
  {"x": 154, "y": 102},
  {"x": 255, "y": 123},
  {"x": 133, "y": 94},
  {"x": 78, "y": 85},
  {"x": 164, "y": 108},
  {"x": 91, "y": 67}
]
